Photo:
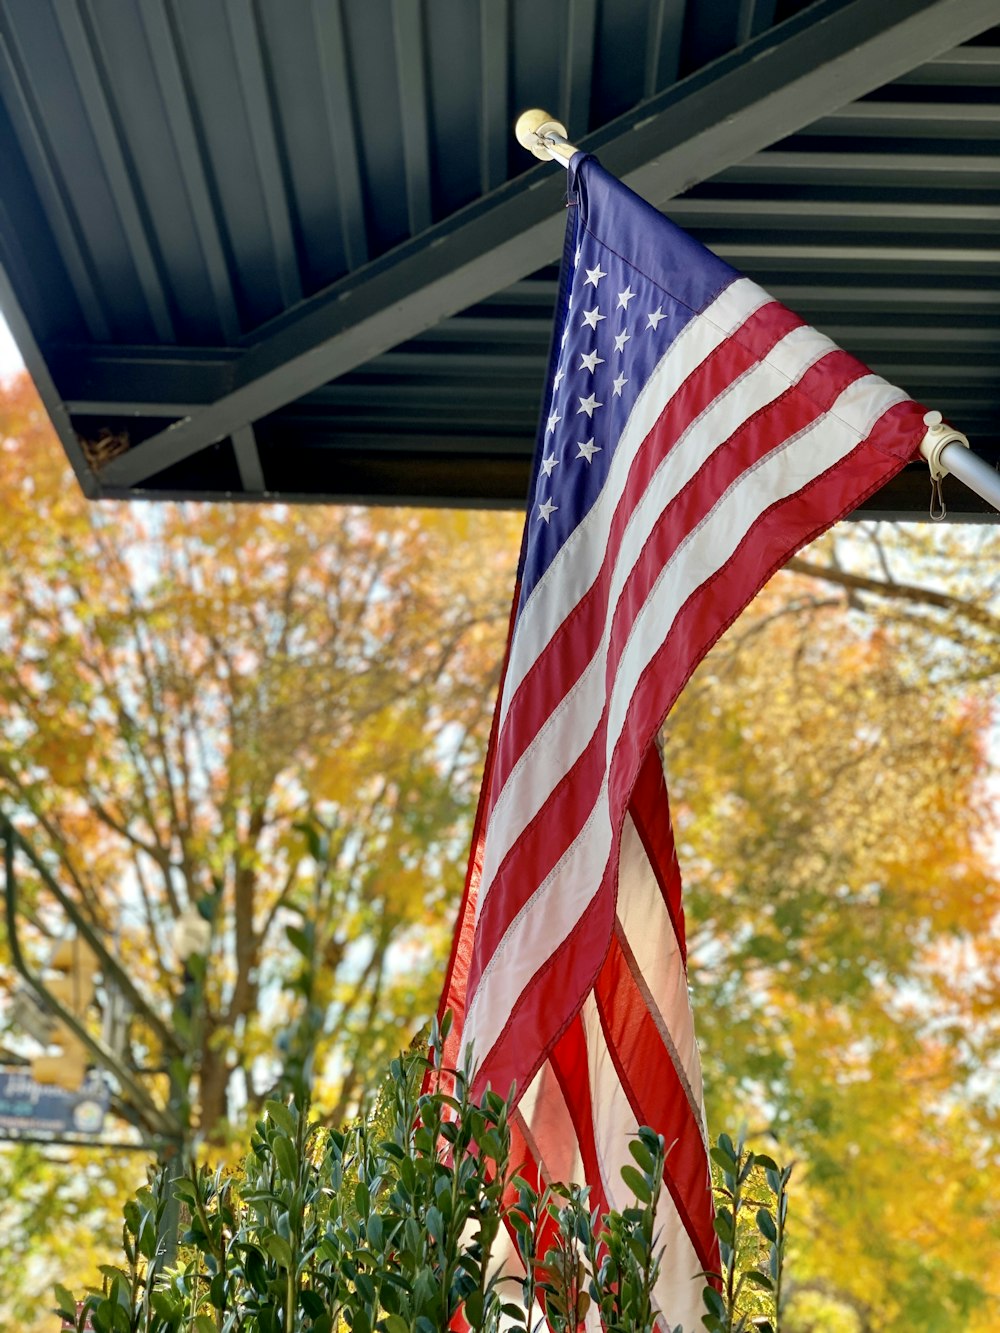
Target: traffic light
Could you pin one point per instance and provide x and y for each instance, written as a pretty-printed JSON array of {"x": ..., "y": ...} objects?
[{"x": 68, "y": 978}]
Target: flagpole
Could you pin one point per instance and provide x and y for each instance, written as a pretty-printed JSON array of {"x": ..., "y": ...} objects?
[{"x": 946, "y": 450}]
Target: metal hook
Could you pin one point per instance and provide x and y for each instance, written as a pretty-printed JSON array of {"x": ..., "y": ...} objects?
[{"x": 938, "y": 509}]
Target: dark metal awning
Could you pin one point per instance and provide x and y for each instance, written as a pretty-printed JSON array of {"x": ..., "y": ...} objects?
[{"x": 289, "y": 249}]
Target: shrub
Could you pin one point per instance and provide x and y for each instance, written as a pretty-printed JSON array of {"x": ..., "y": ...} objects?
[{"x": 393, "y": 1227}]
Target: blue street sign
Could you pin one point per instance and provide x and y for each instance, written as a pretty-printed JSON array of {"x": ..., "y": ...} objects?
[{"x": 27, "y": 1107}]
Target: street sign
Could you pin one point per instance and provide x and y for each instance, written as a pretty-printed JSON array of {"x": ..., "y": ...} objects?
[{"x": 27, "y": 1107}]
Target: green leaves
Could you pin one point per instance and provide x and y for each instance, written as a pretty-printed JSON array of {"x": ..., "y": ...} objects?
[
  {"x": 750, "y": 1209},
  {"x": 382, "y": 1229}
]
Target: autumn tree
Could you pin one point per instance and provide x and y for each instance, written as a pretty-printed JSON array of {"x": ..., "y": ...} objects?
[
  {"x": 183, "y": 688},
  {"x": 830, "y": 773}
]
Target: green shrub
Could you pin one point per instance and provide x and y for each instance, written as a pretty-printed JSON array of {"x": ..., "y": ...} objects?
[{"x": 392, "y": 1227}]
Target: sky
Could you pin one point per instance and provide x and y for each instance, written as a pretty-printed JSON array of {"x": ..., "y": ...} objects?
[{"x": 10, "y": 357}]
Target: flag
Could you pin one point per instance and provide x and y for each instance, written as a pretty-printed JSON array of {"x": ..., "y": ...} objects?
[{"x": 694, "y": 434}]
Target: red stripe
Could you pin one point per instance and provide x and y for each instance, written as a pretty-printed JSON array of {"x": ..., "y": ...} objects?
[
  {"x": 657, "y": 1096},
  {"x": 554, "y": 672},
  {"x": 650, "y": 811},
  {"x": 560, "y": 818},
  {"x": 571, "y": 1066},
  {"x": 557, "y": 989}
]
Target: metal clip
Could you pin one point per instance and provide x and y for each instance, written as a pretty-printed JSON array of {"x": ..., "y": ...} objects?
[{"x": 938, "y": 509}]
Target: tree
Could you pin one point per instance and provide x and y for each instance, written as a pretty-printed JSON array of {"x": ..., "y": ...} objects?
[
  {"x": 182, "y": 687},
  {"x": 829, "y": 772}
]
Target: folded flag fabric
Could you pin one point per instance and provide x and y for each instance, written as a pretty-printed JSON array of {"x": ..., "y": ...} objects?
[{"x": 695, "y": 433}]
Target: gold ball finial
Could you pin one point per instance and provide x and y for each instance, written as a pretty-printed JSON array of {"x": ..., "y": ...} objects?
[{"x": 529, "y": 128}]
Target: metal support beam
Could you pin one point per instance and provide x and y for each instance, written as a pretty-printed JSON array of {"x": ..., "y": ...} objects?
[
  {"x": 260, "y": 121},
  {"x": 494, "y": 21},
  {"x": 830, "y": 54},
  {"x": 94, "y": 85},
  {"x": 339, "y": 104},
  {"x": 408, "y": 40},
  {"x": 164, "y": 53},
  {"x": 248, "y": 460}
]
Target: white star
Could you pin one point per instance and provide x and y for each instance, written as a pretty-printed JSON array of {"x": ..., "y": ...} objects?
[
  {"x": 625, "y": 296},
  {"x": 621, "y": 339},
  {"x": 590, "y": 361},
  {"x": 560, "y": 376},
  {"x": 594, "y": 275},
  {"x": 579, "y": 252},
  {"x": 619, "y": 384},
  {"x": 588, "y": 449},
  {"x": 564, "y": 337},
  {"x": 549, "y": 463},
  {"x": 592, "y": 316},
  {"x": 553, "y": 420},
  {"x": 588, "y": 404},
  {"x": 655, "y": 318},
  {"x": 546, "y": 509}
]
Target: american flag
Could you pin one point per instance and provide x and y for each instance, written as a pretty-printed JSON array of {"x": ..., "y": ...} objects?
[{"x": 695, "y": 434}]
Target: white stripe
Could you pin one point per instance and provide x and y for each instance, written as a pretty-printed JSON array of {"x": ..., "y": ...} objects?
[
  {"x": 649, "y": 933},
  {"x": 568, "y": 728},
  {"x": 577, "y": 564},
  {"x": 552, "y": 1135},
  {"x": 677, "y": 1294},
  {"x": 546, "y": 919}
]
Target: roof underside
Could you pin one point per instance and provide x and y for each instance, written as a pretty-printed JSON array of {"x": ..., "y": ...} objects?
[{"x": 289, "y": 249}]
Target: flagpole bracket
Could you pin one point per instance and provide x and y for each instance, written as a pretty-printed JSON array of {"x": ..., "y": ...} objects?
[
  {"x": 937, "y": 439},
  {"x": 544, "y": 136}
]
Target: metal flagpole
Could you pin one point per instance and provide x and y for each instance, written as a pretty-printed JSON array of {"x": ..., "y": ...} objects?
[{"x": 946, "y": 449}]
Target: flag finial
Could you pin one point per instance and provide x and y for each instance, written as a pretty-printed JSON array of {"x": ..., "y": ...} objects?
[{"x": 544, "y": 136}]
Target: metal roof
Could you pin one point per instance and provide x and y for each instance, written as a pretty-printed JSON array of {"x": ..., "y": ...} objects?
[{"x": 289, "y": 248}]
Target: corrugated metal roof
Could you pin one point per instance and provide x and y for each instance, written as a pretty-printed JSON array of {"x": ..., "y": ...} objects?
[{"x": 216, "y": 215}]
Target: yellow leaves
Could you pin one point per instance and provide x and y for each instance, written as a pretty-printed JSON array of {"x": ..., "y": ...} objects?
[
  {"x": 828, "y": 778},
  {"x": 64, "y": 755}
]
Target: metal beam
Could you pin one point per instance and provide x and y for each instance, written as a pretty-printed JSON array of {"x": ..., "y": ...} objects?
[
  {"x": 248, "y": 460},
  {"x": 411, "y": 77},
  {"x": 164, "y": 53},
  {"x": 341, "y": 118},
  {"x": 664, "y": 39},
  {"x": 260, "y": 121},
  {"x": 494, "y": 135},
  {"x": 158, "y": 381},
  {"x": 95, "y": 93},
  {"x": 828, "y": 55},
  {"x": 960, "y": 121},
  {"x": 778, "y": 215},
  {"x": 578, "y": 65},
  {"x": 934, "y": 171},
  {"x": 17, "y": 96}
]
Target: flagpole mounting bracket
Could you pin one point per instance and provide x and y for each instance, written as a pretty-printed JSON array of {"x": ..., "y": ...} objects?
[
  {"x": 543, "y": 135},
  {"x": 937, "y": 439}
]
